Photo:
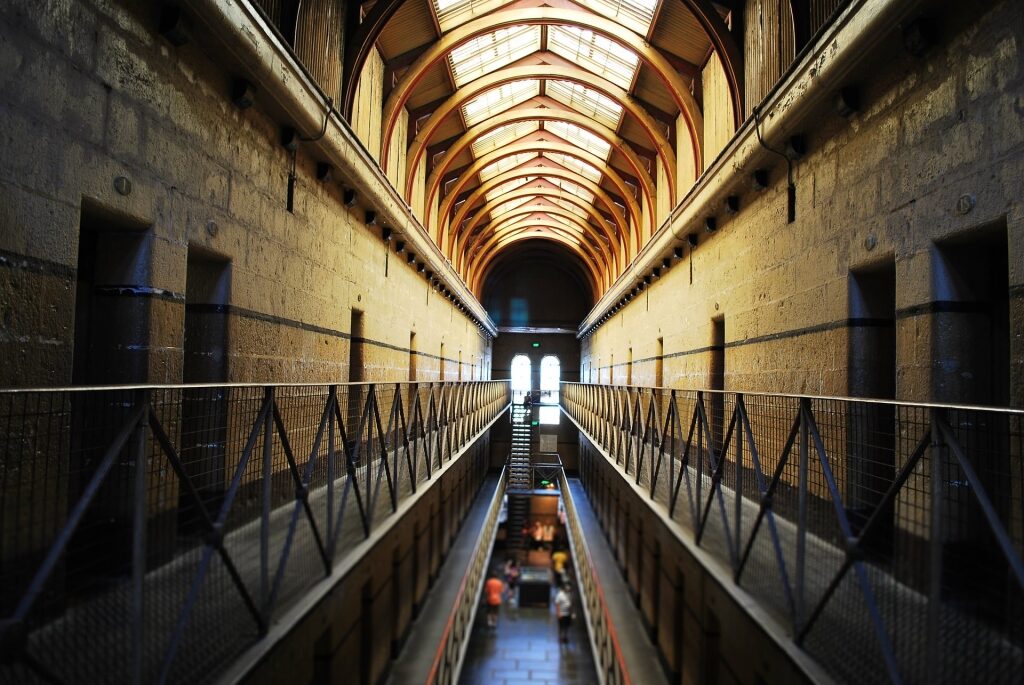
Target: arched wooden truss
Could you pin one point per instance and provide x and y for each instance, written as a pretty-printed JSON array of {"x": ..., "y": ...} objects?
[{"x": 604, "y": 234}]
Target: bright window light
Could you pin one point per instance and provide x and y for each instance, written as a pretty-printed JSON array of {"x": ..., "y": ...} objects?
[
  {"x": 520, "y": 377},
  {"x": 499, "y": 99},
  {"x": 576, "y": 164},
  {"x": 633, "y": 14},
  {"x": 501, "y": 136},
  {"x": 504, "y": 164},
  {"x": 579, "y": 136},
  {"x": 594, "y": 52},
  {"x": 492, "y": 51},
  {"x": 550, "y": 375},
  {"x": 587, "y": 101},
  {"x": 453, "y": 13}
]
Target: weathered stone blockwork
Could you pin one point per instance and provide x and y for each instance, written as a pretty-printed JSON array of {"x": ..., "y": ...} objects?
[
  {"x": 935, "y": 156},
  {"x": 89, "y": 93}
]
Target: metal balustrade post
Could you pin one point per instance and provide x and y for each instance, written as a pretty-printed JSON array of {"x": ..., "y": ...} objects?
[
  {"x": 801, "y": 524},
  {"x": 332, "y": 399},
  {"x": 938, "y": 458},
  {"x": 139, "y": 461},
  {"x": 267, "y": 492}
]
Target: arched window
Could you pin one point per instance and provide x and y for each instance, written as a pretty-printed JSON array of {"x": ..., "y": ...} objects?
[
  {"x": 520, "y": 377},
  {"x": 550, "y": 375}
]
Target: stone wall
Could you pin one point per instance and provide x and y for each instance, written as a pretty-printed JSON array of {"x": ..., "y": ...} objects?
[
  {"x": 109, "y": 127},
  {"x": 929, "y": 166}
]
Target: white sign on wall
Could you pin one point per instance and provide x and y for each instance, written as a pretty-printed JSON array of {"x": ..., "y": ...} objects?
[{"x": 548, "y": 443}]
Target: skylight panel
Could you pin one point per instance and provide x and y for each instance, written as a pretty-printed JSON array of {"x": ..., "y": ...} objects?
[
  {"x": 496, "y": 100},
  {"x": 507, "y": 187},
  {"x": 503, "y": 135},
  {"x": 570, "y": 206},
  {"x": 492, "y": 51},
  {"x": 576, "y": 164},
  {"x": 633, "y": 14},
  {"x": 504, "y": 164},
  {"x": 587, "y": 101},
  {"x": 594, "y": 52},
  {"x": 506, "y": 207},
  {"x": 453, "y": 13},
  {"x": 577, "y": 190},
  {"x": 579, "y": 136}
]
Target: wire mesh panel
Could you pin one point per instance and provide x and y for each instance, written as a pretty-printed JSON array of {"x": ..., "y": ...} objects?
[
  {"x": 886, "y": 537},
  {"x": 153, "y": 533}
]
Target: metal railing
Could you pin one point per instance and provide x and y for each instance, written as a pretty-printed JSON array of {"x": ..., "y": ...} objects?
[
  {"x": 886, "y": 537},
  {"x": 451, "y": 651},
  {"x": 610, "y": 664},
  {"x": 152, "y": 534}
]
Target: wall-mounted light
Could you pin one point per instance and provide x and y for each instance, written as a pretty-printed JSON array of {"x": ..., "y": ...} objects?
[
  {"x": 666, "y": 263},
  {"x": 655, "y": 273},
  {"x": 324, "y": 171},
  {"x": 400, "y": 246},
  {"x": 760, "y": 179},
  {"x": 348, "y": 196},
  {"x": 677, "y": 252},
  {"x": 173, "y": 25},
  {"x": 796, "y": 146},
  {"x": 848, "y": 101},
  {"x": 289, "y": 138},
  {"x": 710, "y": 225},
  {"x": 420, "y": 267},
  {"x": 732, "y": 204},
  {"x": 243, "y": 95},
  {"x": 410, "y": 258},
  {"x": 691, "y": 240},
  {"x": 920, "y": 34},
  {"x": 370, "y": 218}
]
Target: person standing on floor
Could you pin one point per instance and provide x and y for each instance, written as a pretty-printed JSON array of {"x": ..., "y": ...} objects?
[
  {"x": 512, "y": 579},
  {"x": 493, "y": 590},
  {"x": 558, "y": 562},
  {"x": 563, "y": 610}
]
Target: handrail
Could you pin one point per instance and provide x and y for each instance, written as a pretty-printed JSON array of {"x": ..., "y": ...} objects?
[
  {"x": 604, "y": 640},
  {"x": 178, "y": 528},
  {"x": 842, "y": 520},
  {"x": 451, "y": 650}
]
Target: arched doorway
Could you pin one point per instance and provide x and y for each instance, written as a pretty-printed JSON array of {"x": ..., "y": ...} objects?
[
  {"x": 521, "y": 371},
  {"x": 550, "y": 376}
]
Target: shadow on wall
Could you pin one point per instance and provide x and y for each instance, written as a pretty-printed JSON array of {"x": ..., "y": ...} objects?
[{"x": 537, "y": 285}]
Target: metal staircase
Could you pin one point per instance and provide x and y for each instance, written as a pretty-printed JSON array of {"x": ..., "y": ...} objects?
[{"x": 520, "y": 478}]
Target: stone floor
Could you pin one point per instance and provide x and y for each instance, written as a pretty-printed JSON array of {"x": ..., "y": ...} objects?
[{"x": 525, "y": 649}]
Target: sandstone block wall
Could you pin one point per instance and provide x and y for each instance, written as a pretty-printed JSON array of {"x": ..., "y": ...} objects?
[
  {"x": 931, "y": 164},
  {"x": 91, "y": 93}
]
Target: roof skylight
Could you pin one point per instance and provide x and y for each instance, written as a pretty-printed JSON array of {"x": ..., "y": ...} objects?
[
  {"x": 491, "y": 51},
  {"x": 504, "y": 164},
  {"x": 453, "y": 13},
  {"x": 633, "y": 14},
  {"x": 503, "y": 135},
  {"x": 496, "y": 100},
  {"x": 506, "y": 207},
  {"x": 576, "y": 164},
  {"x": 507, "y": 187},
  {"x": 579, "y": 136},
  {"x": 570, "y": 207},
  {"x": 586, "y": 100},
  {"x": 594, "y": 52},
  {"x": 575, "y": 189}
]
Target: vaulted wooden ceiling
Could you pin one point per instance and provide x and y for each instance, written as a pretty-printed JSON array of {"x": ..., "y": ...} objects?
[{"x": 543, "y": 119}]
